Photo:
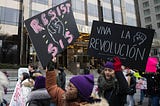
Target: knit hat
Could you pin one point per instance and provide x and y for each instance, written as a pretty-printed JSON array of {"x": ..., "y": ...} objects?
[
  {"x": 39, "y": 82},
  {"x": 109, "y": 65},
  {"x": 84, "y": 84}
]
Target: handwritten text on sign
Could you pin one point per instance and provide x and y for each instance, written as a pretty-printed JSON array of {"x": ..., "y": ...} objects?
[
  {"x": 52, "y": 25},
  {"x": 131, "y": 44},
  {"x": 52, "y": 31}
]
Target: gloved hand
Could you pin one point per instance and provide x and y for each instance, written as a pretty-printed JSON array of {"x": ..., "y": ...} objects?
[
  {"x": 117, "y": 64},
  {"x": 51, "y": 65}
]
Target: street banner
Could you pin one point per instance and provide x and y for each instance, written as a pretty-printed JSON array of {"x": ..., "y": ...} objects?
[
  {"x": 52, "y": 31},
  {"x": 151, "y": 65},
  {"x": 131, "y": 44}
]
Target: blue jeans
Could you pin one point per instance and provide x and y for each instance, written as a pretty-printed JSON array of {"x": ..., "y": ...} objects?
[
  {"x": 131, "y": 101},
  {"x": 142, "y": 94},
  {"x": 154, "y": 100}
]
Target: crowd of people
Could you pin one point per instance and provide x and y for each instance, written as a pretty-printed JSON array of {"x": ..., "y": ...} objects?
[{"x": 116, "y": 86}]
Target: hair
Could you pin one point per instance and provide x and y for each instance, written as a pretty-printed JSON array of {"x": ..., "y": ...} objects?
[
  {"x": 25, "y": 76},
  {"x": 32, "y": 65}
]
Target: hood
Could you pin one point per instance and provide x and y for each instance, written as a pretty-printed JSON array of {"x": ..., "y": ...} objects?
[{"x": 102, "y": 103}]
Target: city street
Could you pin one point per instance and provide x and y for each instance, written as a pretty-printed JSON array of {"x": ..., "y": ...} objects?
[{"x": 13, "y": 81}]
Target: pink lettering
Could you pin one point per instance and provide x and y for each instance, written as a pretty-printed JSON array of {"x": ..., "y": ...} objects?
[
  {"x": 52, "y": 14},
  {"x": 68, "y": 5},
  {"x": 69, "y": 36},
  {"x": 52, "y": 49},
  {"x": 64, "y": 10},
  {"x": 35, "y": 26},
  {"x": 58, "y": 11}
]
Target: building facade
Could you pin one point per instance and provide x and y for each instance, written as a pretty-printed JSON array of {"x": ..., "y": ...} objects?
[
  {"x": 149, "y": 16},
  {"x": 85, "y": 11}
]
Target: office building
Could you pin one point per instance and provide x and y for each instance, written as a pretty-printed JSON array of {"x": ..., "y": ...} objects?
[
  {"x": 85, "y": 11},
  {"x": 149, "y": 16}
]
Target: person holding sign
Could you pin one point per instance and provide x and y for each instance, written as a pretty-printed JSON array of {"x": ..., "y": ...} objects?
[
  {"x": 78, "y": 91},
  {"x": 112, "y": 84}
]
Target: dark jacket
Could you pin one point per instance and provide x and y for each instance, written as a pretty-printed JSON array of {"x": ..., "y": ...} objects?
[
  {"x": 39, "y": 97},
  {"x": 117, "y": 95},
  {"x": 132, "y": 84},
  {"x": 153, "y": 83}
]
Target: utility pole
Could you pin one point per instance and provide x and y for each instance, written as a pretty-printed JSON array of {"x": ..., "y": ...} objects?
[{"x": 20, "y": 33}]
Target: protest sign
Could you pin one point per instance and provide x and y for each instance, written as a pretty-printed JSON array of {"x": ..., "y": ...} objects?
[
  {"x": 131, "y": 44},
  {"x": 151, "y": 65},
  {"x": 52, "y": 31}
]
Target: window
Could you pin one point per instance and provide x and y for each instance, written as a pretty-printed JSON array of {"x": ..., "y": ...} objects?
[
  {"x": 157, "y": 8},
  {"x": 108, "y": 1},
  {"x": 130, "y": 8},
  {"x": 34, "y": 12},
  {"x": 116, "y": 2},
  {"x": 158, "y": 25},
  {"x": 107, "y": 14},
  {"x": 92, "y": 10},
  {"x": 82, "y": 22},
  {"x": 78, "y": 6},
  {"x": 131, "y": 21},
  {"x": 156, "y": 1},
  {"x": 56, "y": 2},
  {"x": 157, "y": 16},
  {"x": 146, "y": 4},
  {"x": 118, "y": 17},
  {"x": 41, "y": 1},
  {"x": 9, "y": 16},
  {"x": 147, "y": 12},
  {"x": 147, "y": 19},
  {"x": 149, "y": 26}
]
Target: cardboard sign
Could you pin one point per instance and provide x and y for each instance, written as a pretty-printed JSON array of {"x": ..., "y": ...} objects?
[
  {"x": 151, "y": 65},
  {"x": 52, "y": 31},
  {"x": 131, "y": 44}
]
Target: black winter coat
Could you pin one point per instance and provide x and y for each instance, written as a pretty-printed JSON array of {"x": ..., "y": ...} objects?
[{"x": 117, "y": 96}]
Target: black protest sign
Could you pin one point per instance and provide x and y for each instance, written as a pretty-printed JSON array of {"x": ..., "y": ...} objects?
[
  {"x": 52, "y": 31},
  {"x": 131, "y": 44}
]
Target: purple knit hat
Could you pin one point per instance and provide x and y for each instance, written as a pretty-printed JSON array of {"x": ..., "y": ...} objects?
[
  {"x": 109, "y": 65},
  {"x": 84, "y": 84},
  {"x": 39, "y": 82}
]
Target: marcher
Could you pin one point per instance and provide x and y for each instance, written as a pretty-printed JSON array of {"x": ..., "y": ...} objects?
[
  {"x": 61, "y": 78},
  {"x": 26, "y": 86},
  {"x": 32, "y": 70},
  {"x": 153, "y": 88},
  {"x": 3, "y": 84},
  {"x": 112, "y": 84},
  {"x": 39, "y": 95},
  {"x": 78, "y": 91},
  {"x": 142, "y": 86},
  {"x": 131, "y": 79}
]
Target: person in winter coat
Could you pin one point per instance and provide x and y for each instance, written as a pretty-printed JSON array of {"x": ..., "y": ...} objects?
[
  {"x": 112, "y": 84},
  {"x": 142, "y": 85},
  {"x": 26, "y": 86},
  {"x": 132, "y": 87},
  {"x": 78, "y": 92},
  {"x": 153, "y": 88},
  {"x": 39, "y": 95},
  {"x": 3, "y": 84}
]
